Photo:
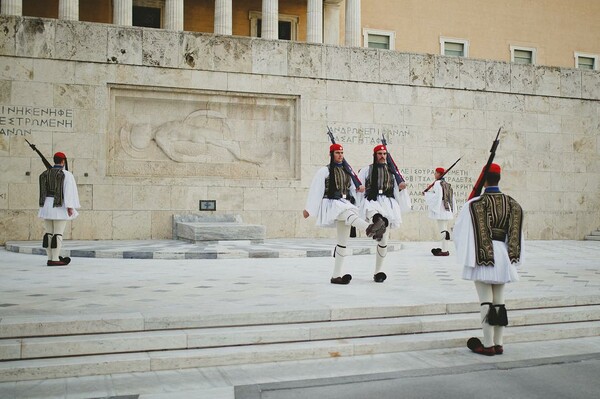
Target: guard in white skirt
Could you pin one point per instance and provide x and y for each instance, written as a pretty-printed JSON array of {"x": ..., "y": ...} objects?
[
  {"x": 441, "y": 207},
  {"x": 383, "y": 196},
  {"x": 59, "y": 201},
  {"x": 489, "y": 244},
  {"x": 330, "y": 200}
]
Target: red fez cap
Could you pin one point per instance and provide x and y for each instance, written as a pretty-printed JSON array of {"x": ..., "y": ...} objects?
[
  {"x": 60, "y": 155},
  {"x": 336, "y": 147},
  {"x": 440, "y": 170},
  {"x": 495, "y": 168},
  {"x": 379, "y": 147}
]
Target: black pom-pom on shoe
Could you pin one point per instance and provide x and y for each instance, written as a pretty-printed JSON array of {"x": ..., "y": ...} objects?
[
  {"x": 476, "y": 346},
  {"x": 379, "y": 277},
  {"x": 345, "y": 279}
]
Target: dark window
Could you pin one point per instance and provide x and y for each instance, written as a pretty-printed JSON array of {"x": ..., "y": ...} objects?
[
  {"x": 148, "y": 17},
  {"x": 285, "y": 29}
]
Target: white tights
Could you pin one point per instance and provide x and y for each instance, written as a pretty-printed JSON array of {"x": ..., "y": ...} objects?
[
  {"x": 442, "y": 228},
  {"x": 494, "y": 293},
  {"x": 56, "y": 228}
]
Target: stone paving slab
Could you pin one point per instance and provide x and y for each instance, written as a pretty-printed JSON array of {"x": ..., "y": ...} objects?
[
  {"x": 159, "y": 290},
  {"x": 177, "y": 249}
]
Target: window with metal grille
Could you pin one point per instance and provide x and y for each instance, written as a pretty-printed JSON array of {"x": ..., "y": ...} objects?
[
  {"x": 378, "y": 41},
  {"x": 523, "y": 55},
  {"x": 586, "y": 62},
  {"x": 453, "y": 47}
]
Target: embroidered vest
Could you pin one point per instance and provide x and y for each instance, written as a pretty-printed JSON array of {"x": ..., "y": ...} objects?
[{"x": 496, "y": 216}]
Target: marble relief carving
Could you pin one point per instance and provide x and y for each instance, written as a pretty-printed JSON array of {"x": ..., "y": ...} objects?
[{"x": 202, "y": 133}]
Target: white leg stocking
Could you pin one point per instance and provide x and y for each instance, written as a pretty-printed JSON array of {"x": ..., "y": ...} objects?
[
  {"x": 498, "y": 299},
  {"x": 443, "y": 227},
  {"x": 343, "y": 232},
  {"x": 381, "y": 252},
  {"x": 49, "y": 228},
  {"x": 59, "y": 229},
  {"x": 351, "y": 218},
  {"x": 484, "y": 291}
]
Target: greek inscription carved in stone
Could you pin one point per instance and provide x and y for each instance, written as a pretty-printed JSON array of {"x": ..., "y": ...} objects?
[
  {"x": 417, "y": 180},
  {"x": 367, "y": 134},
  {"x": 19, "y": 120}
]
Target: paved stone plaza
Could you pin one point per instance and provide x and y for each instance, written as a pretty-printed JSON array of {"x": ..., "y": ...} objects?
[{"x": 172, "y": 288}]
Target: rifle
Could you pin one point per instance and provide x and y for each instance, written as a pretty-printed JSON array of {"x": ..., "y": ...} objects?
[
  {"x": 44, "y": 160},
  {"x": 482, "y": 176},
  {"x": 390, "y": 161},
  {"x": 443, "y": 174},
  {"x": 345, "y": 164}
]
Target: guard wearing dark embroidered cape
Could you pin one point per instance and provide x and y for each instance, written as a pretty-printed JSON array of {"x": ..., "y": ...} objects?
[
  {"x": 58, "y": 202},
  {"x": 330, "y": 201},
  {"x": 383, "y": 196},
  {"x": 489, "y": 244}
]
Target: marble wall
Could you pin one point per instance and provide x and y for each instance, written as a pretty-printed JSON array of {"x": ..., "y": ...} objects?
[{"x": 154, "y": 121}]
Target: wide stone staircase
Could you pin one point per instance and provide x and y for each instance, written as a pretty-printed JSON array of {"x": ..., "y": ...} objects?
[{"x": 36, "y": 348}]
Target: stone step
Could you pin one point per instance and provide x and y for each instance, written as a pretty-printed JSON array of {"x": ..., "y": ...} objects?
[
  {"x": 144, "y": 341},
  {"x": 593, "y": 237},
  {"x": 39, "y": 326},
  {"x": 37, "y": 369}
]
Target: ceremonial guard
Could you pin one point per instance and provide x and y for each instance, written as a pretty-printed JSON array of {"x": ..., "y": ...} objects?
[
  {"x": 384, "y": 196},
  {"x": 441, "y": 207},
  {"x": 330, "y": 201},
  {"x": 58, "y": 202},
  {"x": 489, "y": 244}
]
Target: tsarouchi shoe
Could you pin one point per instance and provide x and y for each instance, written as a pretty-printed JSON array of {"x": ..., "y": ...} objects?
[
  {"x": 447, "y": 253},
  {"x": 345, "y": 279},
  {"x": 476, "y": 346},
  {"x": 498, "y": 349},
  {"x": 379, "y": 277},
  {"x": 56, "y": 263}
]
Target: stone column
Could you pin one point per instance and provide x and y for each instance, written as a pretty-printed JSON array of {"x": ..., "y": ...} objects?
[
  {"x": 123, "y": 12},
  {"x": 68, "y": 9},
  {"x": 223, "y": 17},
  {"x": 353, "y": 23},
  {"x": 314, "y": 25},
  {"x": 331, "y": 21},
  {"x": 11, "y": 7},
  {"x": 270, "y": 19},
  {"x": 173, "y": 14}
]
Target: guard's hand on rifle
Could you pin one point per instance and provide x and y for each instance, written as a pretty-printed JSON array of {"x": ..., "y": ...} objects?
[
  {"x": 402, "y": 186},
  {"x": 305, "y": 214},
  {"x": 361, "y": 189}
]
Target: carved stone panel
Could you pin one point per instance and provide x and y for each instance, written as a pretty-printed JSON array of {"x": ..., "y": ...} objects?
[{"x": 189, "y": 133}]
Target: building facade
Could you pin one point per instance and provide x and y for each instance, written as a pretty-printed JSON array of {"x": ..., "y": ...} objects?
[
  {"x": 156, "y": 120},
  {"x": 548, "y": 32}
]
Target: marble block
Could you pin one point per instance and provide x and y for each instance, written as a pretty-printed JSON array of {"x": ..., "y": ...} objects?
[
  {"x": 35, "y": 37},
  {"x": 198, "y": 228},
  {"x": 80, "y": 42},
  {"x": 124, "y": 45}
]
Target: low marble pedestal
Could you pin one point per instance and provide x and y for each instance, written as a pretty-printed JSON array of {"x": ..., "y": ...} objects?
[{"x": 211, "y": 228}]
